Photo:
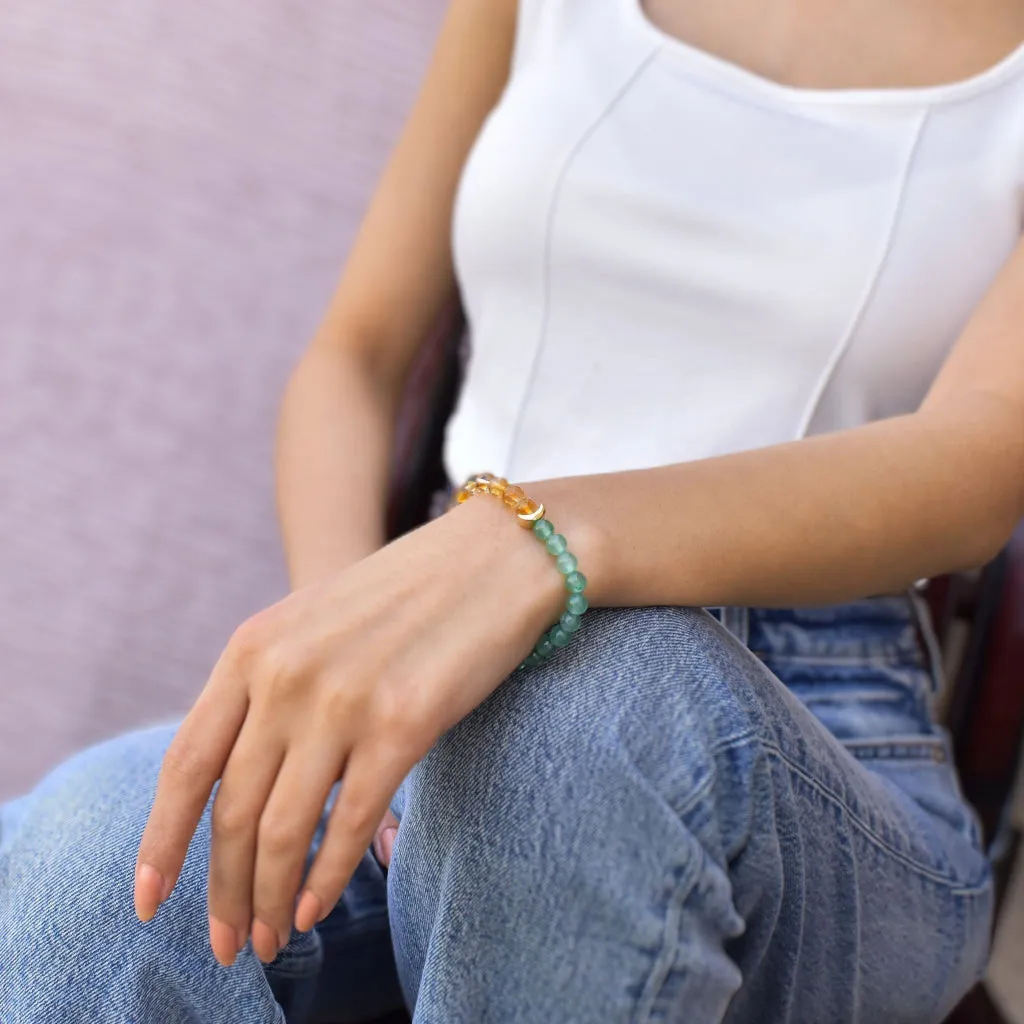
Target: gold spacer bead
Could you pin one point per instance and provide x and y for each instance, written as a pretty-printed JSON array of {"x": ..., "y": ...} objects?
[{"x": 528, "y": 512}]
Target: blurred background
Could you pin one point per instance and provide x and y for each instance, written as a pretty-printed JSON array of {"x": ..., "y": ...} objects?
[{"x": 179, "y": 185}]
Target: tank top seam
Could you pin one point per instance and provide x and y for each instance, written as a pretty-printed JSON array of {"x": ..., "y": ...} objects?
[
  {"x": 556, "y": 194},
  {"x": 839, "y": 351}
]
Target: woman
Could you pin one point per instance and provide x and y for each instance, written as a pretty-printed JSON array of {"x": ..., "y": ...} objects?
[{"x": 746, "y": 289}]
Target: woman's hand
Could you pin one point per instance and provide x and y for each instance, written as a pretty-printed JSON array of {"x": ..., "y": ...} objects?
[
  {"x": 351, "y": 679},
  {"x": 384, "y": 838}
]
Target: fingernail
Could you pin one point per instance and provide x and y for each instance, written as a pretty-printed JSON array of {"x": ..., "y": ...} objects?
[
  {"x": 265, "y": 941},
  {"x": 225, "y": 942},
  {"x": 151, "y": 890},
  {"x": 308, "y": 912},
  {"x": 387, "y": 843}
]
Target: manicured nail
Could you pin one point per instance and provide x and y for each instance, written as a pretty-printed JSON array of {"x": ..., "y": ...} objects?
[
  {"x": 151, "y": 889},
  {"x": 225, "y": 942},
  {"x": 308, "y": 912},
  {"x": 265, "y": 941}
]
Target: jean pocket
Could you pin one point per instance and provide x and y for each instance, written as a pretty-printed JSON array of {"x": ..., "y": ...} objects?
[
  {"x": 927, "y": 749},
  {"x": 863, "y": 702}
]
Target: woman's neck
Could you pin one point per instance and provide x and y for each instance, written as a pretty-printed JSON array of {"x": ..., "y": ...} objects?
[{"x": 821, "y": 44}]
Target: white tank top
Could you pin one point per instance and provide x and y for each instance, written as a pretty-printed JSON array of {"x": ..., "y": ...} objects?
[{"x": 663, "y": 256}]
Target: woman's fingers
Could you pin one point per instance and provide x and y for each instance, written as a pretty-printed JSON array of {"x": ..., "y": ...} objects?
[
  {"x": 289, "y": 820},
  {"x": 190, "y": 768},
  {"x": 368, "y": 783},
  {"x": 384, "y": 838},
  {"x": 247, "y": 782}
]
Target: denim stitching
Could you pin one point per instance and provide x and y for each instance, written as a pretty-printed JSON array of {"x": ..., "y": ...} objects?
[
  {"x": 722, "y": 746},
  {"x": 662, "y": 966},
  {"x": 952, "y": 884}
]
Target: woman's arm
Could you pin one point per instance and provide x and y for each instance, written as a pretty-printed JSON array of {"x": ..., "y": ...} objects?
[
  {"x": 833, "y": 517},
  {"x": 335, "y": 432},
  {"x": 356, "y": 674}
]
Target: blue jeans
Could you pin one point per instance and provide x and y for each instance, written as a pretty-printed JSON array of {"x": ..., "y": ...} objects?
[{"x": 677, "y": 818}]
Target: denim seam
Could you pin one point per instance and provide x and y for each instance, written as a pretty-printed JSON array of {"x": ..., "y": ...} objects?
[
  {"x": 893, "y": 659},
  {"x": 724, "y": 744},
  {"x": 662, "y": 966},
  {"x": 848, "y": 693},
  {"x": 910, "y": 739},
  {"x": 876, "y": 840}
]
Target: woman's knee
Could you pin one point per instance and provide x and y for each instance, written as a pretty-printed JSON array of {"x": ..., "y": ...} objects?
[
  {"x": 648, "y": 709},
  {"x": 66, "y": 898},
  {"x": 593, "y": 790},
  {"x": 69, "y": 856}
]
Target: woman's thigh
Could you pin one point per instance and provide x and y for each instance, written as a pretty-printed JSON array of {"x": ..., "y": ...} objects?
[
  {"x": 72, "y": 950},
  {"x": 654, "y": 827}
]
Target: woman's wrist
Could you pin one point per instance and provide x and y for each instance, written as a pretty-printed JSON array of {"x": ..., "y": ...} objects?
[
  {"x": 533, "y": 590},
  {"x": 586, "y": 540},
  {"x": 532, "y": 518}
]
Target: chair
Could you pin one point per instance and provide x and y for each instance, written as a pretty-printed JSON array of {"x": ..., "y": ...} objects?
[{"x": 979, "y": 620}]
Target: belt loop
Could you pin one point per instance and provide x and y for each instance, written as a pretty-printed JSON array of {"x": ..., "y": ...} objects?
[
  {"x": 926, "y": 637},
  {"x": 736, "y": 619}
]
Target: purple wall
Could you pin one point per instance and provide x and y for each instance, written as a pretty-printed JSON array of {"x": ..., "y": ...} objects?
[{"x": 178, "y": 187}]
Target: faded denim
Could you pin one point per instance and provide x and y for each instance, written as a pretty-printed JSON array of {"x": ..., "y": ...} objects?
[{"x": 745, "y": 816}]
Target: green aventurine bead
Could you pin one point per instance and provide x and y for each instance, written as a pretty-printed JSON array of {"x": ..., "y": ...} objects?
[
  {"x": 556, "y": 544},
  {"x": 569, "y": 622},
  {"x": 544, "y": 648},
  {"x": 559, "y": 637},
  {"x": 576, "y": 582},
  {"x": 566, "y": 562},
  {"x": 543, "y": 529},
  {"x": 577, "y": 604},
  {"x": 532, "y": 659}
]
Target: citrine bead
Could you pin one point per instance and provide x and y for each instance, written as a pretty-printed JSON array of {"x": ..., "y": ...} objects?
[
  {"x": 559, "y": 637},
  {"x": 576, "y": 582},
  {"x": 531, "y": 515},
  {"x": 566, "y": 562},
  {"x": 543, "y": 529},
  {"x": 513, "y": 495},
  {"x": 556, "y": 544}
]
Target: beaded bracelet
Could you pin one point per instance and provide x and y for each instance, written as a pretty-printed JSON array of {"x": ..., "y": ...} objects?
[{"x": 530, "y": 514}]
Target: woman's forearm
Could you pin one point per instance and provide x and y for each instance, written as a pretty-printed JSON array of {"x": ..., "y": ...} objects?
[
  {"x": 831, "y": 518},
  {"x": 334, "y": 441}
]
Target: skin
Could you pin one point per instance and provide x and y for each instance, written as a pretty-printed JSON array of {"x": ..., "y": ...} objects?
[{"x": 379, "y": 649}]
